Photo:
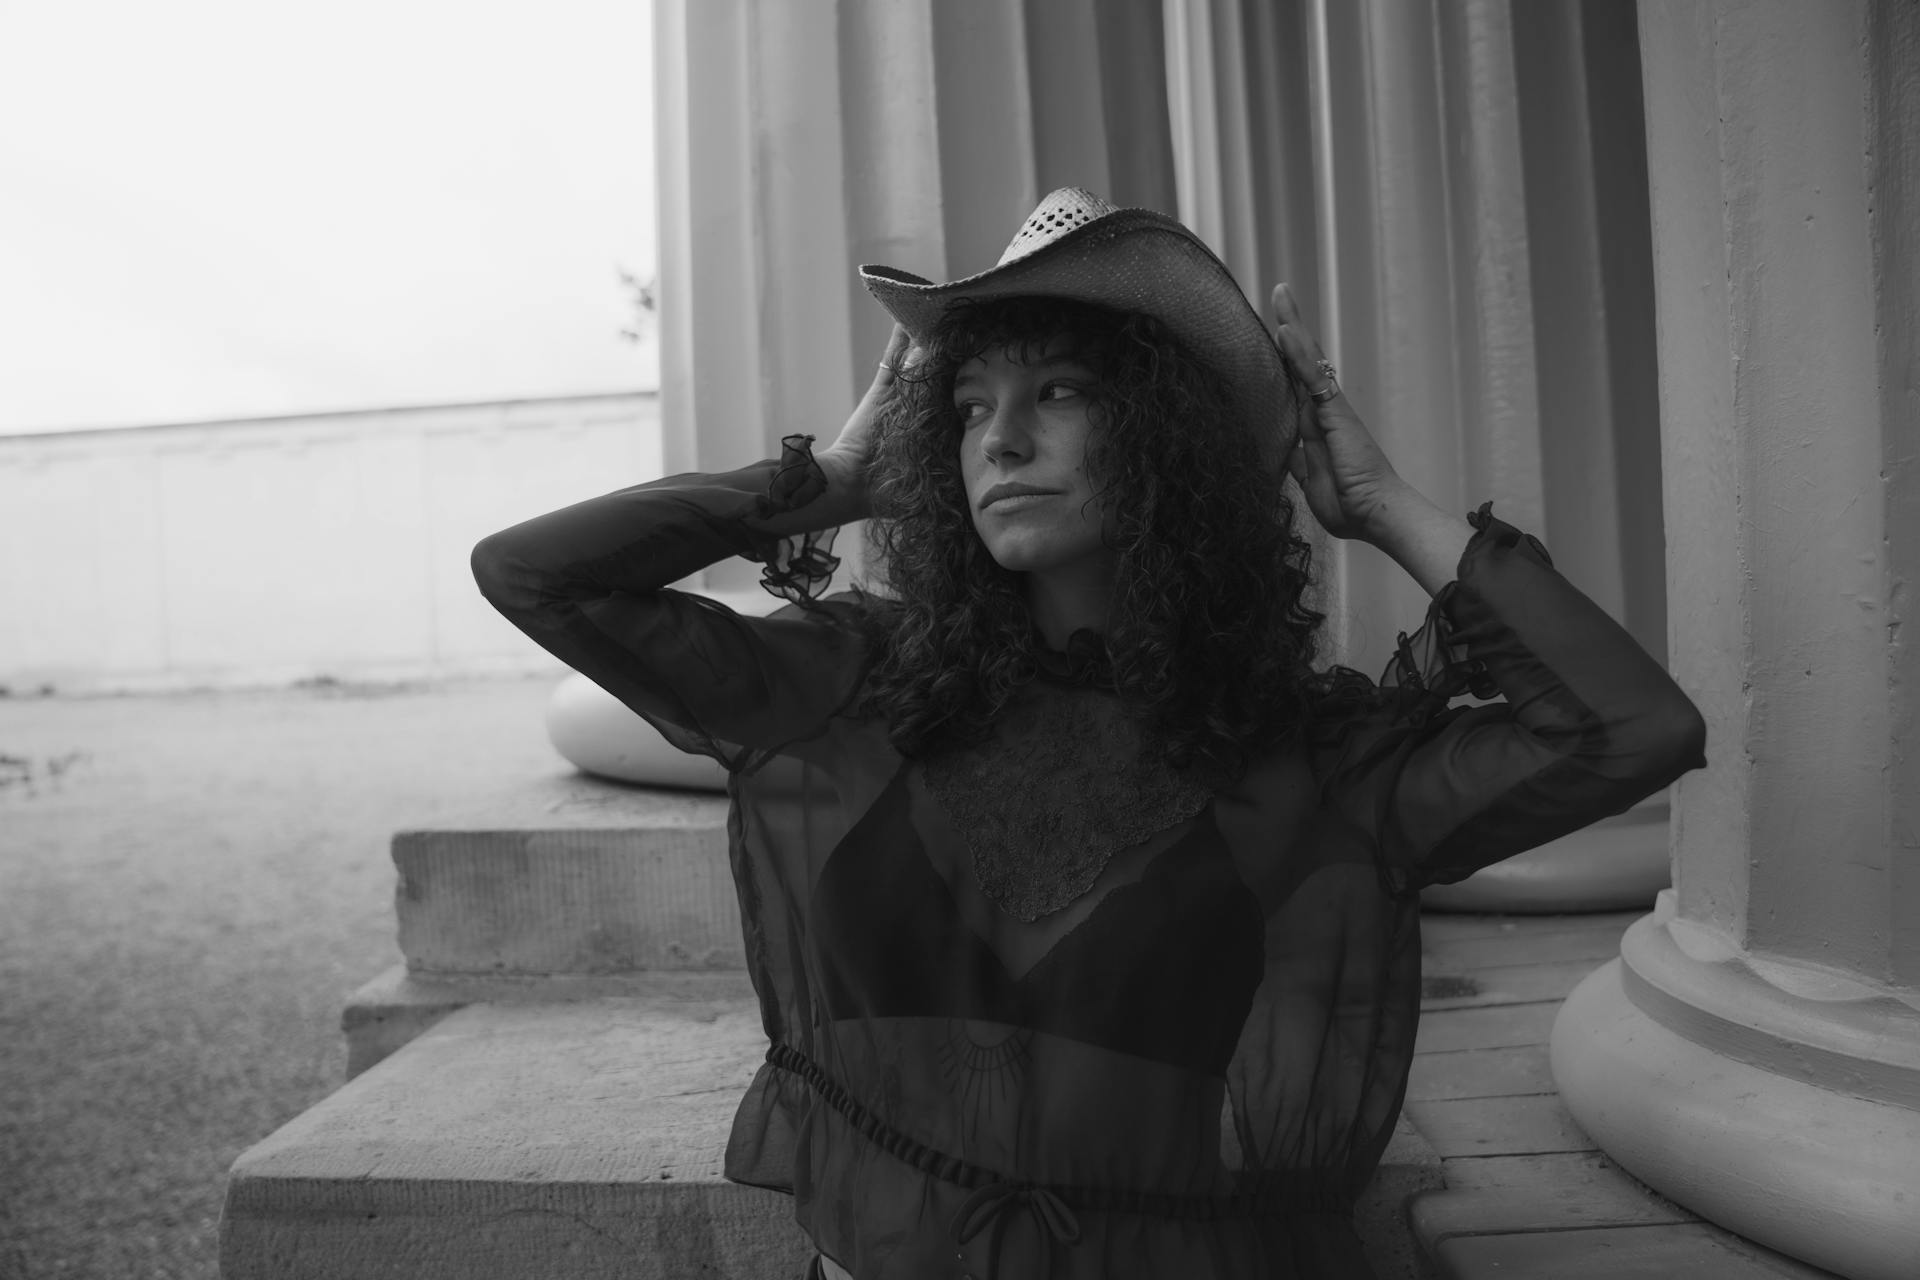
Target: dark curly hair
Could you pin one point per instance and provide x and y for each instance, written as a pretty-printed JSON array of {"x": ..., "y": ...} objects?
[{"x": 1210, "y": 641}]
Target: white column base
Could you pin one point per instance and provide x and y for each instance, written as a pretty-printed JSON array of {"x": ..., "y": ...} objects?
[{"x": 1780, "y": 1102}]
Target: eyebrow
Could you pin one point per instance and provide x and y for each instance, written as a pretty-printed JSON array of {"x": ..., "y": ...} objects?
[{"x": 1051, "y": 362}]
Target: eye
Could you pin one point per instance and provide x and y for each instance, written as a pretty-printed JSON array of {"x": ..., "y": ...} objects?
[
  {"x": 970, "y": 411},
  {"x": 1058, "y": 390}
]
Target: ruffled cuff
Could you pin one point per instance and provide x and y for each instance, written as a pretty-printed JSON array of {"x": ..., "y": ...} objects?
[
  {"x": 1430, "y": 668},
  {"x": 800, "y": 567}
]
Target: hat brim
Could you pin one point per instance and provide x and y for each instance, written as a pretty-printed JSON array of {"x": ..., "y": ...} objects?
[{"x": 1130, "y": 260}]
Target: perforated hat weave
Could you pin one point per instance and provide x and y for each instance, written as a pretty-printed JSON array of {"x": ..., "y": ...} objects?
[{"x": 1076, "y": 245}]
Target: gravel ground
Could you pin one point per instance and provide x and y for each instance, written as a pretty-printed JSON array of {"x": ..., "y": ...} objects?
[{"x": 190, "y": 886}]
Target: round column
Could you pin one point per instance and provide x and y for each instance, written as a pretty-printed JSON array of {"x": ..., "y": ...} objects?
[{"x": 1754, "y": 1054}]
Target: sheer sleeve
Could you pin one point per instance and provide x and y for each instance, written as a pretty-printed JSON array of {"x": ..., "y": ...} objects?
[
  {"x": 589, "y": 584},
  {"x": 1586, "y": 723}
]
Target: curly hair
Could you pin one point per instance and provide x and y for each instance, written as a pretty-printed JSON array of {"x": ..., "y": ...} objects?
[{"x": 1210, "y": 641}]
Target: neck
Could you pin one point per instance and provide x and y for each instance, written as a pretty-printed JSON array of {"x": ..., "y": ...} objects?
[{"x": 1065, "y": 600}]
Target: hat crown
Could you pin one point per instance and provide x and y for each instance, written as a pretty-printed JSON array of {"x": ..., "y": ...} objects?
[{"x": 1061, "y": 212}]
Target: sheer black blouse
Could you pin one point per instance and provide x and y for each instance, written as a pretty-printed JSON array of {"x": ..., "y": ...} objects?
[{"x": 1193, "y": 1067}]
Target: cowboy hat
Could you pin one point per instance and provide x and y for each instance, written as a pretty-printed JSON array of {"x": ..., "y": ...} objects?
[{"x": 1077, "y": 245}]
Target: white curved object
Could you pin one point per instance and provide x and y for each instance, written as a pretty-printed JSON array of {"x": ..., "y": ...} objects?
[
  {"x": 1617, "y": 864},
  {"x": 598, "y": 734},
  {"x": 1787, "y": 1113}
]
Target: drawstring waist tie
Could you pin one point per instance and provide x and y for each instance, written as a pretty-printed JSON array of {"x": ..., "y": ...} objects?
[
  {"x": 989, "y": 1205},
  {"x": 1052, "y": 1208}
]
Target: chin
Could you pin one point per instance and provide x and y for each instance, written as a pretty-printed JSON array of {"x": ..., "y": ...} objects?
[
  {"x": 1015, "y": 551},
  {"x": 1016, "y": 559},
  {"x": 1022, "y": 554}
]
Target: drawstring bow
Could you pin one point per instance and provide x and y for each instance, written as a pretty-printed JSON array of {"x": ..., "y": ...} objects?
[{"x": 989, "y": 1206}]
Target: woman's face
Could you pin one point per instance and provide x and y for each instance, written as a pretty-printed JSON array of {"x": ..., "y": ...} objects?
[{"x": 1023, "y": 454}]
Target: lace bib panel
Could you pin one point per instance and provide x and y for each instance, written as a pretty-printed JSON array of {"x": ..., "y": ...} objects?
[{"x": 1067, "y": 781}]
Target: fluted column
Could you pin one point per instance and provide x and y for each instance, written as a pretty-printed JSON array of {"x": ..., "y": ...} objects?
[
  {"x": 1755, "y": 1052},
  {"x": 1584, "y": 425},
  {"x": 1456, "y": 190},
  {"x": 756, "y": 337}
]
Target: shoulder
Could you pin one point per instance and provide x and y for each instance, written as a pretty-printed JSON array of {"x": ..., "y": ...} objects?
[
  {"x": 1340, "y": 702},
  {"x": 1350, "y": 723}
]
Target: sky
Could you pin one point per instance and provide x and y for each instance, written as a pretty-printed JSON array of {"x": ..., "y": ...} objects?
[{"x": 236, "y": 208}]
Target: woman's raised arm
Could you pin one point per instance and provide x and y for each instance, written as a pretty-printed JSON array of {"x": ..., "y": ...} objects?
[
  {"x": 1588, "y": 723},
  {"x": 589, "y": 583}
]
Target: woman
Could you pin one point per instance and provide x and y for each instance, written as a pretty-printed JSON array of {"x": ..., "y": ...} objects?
[{"x": 1081, "y": 907}]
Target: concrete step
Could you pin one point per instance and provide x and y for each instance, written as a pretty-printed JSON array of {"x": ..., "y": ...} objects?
[
  {"x": 389, "y": 1012},
  {"x": 570, "y": 875},
  {"x": 570, "y": 1141},
  {"x": 575, "y": 1141},
  {"x": 565, "y": 888}
]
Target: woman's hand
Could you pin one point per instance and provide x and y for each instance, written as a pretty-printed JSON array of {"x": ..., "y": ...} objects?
[
  {"x": 1347, "y": 479},
  {"x": 846, "y": 460},
  {"x": 1351, "y": 488}
]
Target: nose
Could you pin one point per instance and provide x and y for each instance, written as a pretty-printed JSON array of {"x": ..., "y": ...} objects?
[{"x": 1009, "y": 434}]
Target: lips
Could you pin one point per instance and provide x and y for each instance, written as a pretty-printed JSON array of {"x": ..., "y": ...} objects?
[{"x": 1010, "y": 489}]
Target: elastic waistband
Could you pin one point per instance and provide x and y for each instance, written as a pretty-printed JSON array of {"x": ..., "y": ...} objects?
[{"x": 1269, "y": 1196}]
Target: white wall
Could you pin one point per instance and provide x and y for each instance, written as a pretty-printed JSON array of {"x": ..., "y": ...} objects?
[{"x": 270, "y": 550}]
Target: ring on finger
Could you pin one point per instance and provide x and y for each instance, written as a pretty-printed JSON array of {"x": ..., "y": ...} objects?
[{"x": 1332, "y": 387}]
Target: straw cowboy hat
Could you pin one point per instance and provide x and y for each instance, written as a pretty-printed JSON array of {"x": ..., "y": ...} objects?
[{"x": 1076, "y": 245}]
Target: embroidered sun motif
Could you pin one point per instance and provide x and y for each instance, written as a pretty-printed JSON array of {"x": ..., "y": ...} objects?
[
  {"x": 983, "y": 1068},
  {"x": 1067, "y": 782}
]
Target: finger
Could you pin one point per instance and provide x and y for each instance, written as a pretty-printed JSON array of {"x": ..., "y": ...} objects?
[
  {"x": 1284, "y": 307},
  {"x": 1287, "y": 308},
  {"x": 1300, "y": 350},
  {"x": 890, "y": 359},
  {"x": 1309, "y": 363}
]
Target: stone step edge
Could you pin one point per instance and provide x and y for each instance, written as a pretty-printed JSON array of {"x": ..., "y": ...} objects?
[
  {"x": 518, "y": 1138},
  {"x": 392, "y": 1010},
  {"x": 447, "y": 1163},
  {"x": 538, "y": 901}
]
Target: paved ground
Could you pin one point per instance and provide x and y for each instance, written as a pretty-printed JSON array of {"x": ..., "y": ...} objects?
[
  {"x": 1529, "y": 1195},
  {"x": 189, "y": 888}
]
